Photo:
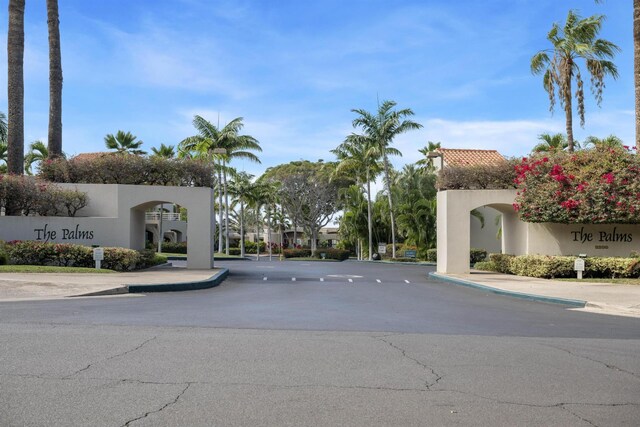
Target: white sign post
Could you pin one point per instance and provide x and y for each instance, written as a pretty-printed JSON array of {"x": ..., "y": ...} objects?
[
  {"x": 578, "y": 265},
  {"x": 98, "y": 256}
]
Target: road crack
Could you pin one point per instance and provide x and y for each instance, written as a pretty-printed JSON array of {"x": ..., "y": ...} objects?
[
  {"x": 607, "y": 365},
  {"x": 165, "y": 406},
  {"x": 404, "y": 354},
  {"x": 138, "y": 347}
]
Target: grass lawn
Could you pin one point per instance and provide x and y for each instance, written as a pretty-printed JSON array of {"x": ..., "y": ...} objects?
[
  {"x": 611, "y": 281},
  {"x": 48, "y": 269}
]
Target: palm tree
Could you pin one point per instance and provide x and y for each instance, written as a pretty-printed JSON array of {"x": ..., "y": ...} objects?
[
  {"x": 55, "y": 81},
  {"x": 551, "y": 143},
  {"x": 577, "y": 40},
  {"x": 123, "y": 143},
  {"x": 164, "y": 151},
  {"x": 610, "y": 141},
  {"x": 3, "y": 128},
  {"x": 38, "y": 152},
  {"x": 241, "y": 187},
  {"x": 15, "y": 80},
  {"x": 224, "y": 145},
  {"x": 381, "y": 129},
  {"x": 426, "y": 163},
  {"x": 358, "y": 156}
]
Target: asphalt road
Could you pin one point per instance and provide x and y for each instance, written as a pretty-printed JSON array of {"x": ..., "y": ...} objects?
[{"x": 302, "y": 343}]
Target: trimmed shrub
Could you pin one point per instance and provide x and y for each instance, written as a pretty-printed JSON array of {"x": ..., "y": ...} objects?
[
  {"x": 250, "y": 247},
  {"x": 67, "y": 254},
  {"x": 175, "y": 248},
  {"x": 114, "y": 168},
  {"x": 543, "y": 266},
  {"x": 477, "y": 255},
  {"x": 485, "y": 266},
  {"x": 332, "y": 253},
  {"x": 24, "y": 195},
  {"x": 502, "y": 262},
  {"x": 297, "y": 253},
  {"x": 234, "y": 251},
  {"x": 481, "y": 177}
]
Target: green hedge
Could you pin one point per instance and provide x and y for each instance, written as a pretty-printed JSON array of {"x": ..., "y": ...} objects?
[
  {"x": 475, "y": 255},
  {"x": 332, "y": 253},
  {"x": 174, "y": 248},
  {"x": 297, "y": 253},
  {"x": 71, "y": 255},
  {"x": 550, "y": 267}
]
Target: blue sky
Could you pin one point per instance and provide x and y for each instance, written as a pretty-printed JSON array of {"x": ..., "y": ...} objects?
[{"x": 294, "y": 70}]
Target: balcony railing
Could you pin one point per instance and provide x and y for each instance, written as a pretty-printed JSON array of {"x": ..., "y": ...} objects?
[{"x": 166, "y": 216}]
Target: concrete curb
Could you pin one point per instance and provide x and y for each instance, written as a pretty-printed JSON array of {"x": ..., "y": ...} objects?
[
  {"x": 184, "y": 258},
  {"x": 521, "y": 295},
  {"x": 422, "y": 263},
  {"x": 211, "y": 282}
]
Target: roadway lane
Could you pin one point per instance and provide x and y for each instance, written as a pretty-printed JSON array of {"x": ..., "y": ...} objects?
[{"x": 351, "y": 297}]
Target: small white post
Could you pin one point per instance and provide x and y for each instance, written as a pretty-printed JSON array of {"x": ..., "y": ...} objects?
[
  {"x": 578, "y": 266},
  {"x": 98, "y": 256}
]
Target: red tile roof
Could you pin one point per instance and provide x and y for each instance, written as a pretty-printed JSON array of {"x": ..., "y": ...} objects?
[{"x": 466, "y": 157}]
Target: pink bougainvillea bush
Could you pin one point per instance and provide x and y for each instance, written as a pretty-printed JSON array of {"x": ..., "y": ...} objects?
[{"x": 597, "y": 186}]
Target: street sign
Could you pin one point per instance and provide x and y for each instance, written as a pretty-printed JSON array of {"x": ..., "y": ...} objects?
[
  {"x": 382, "y": 248},
  {"x": 410, "y": 254}
]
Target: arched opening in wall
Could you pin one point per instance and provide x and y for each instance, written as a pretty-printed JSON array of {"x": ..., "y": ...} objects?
[
  {"x": 487, "y": 227},
  {"x": 158, "y": 219}
]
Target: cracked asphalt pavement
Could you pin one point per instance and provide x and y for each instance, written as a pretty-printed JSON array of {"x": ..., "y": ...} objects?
[{"x": 388, "y": 348}]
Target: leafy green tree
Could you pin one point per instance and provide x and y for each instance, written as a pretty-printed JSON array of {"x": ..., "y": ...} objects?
[
  {"x": 381, "y": 129},
  {"x": 241, "y": 188},
  {"x": 559, "y": 64},
  {"x": 551, "y": 143},
  {"x": 354, "y": 224},
  {"x": 164, "y": 151},
  {"x": 3, "y": 157},
  {"x": 123, "y": 143}
]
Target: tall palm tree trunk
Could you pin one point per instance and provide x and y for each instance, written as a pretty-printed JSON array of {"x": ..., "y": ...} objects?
[
  {"x": 369, "y": 225},
  {"x": 269, "y": 229},
  {"x": 636, "y": 66},
  {"x": 258, "y": 233},
  {"x": 393, "y": 223},
  {"x": 226, "y": 211},
  {"x": 568, "y": 96},
  {"x": 15, "y": 59},
  {"x": 55, "y": 81},
  {"x": 241, "y": 228},
  {"x": 220, "y": 207}
]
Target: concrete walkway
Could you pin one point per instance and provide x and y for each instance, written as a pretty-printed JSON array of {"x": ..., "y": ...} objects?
[
  {"x": 34, "y": 286},
  {"x": 622, "y": 300}
]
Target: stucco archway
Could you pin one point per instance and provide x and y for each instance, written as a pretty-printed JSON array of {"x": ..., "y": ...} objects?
[{"x": 454, "y": 230}]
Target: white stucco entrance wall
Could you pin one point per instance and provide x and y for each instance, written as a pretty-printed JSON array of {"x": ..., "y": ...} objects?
[
  {"x": 115, "y": 216},
  {"x": 454, "y": 226}
]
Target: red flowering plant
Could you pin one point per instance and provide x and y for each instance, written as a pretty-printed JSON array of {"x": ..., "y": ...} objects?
[{"x": 597, "y": 186}]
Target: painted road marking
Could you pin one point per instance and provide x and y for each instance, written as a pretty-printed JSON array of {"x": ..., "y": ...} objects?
[
  {"x": 406, "y": 281},
  {"x": 322, "y": 279},
  {"x": 378, "y": 280},
  {"x": 293, "y": 279},
  {"x": 350, "y": 280},
  {"x": 264, "y": 278}
]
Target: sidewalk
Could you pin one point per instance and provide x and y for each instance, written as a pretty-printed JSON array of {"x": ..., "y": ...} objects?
[
  {"x": 621, "y": 300},
  {"x": 37, "y": 286}
]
